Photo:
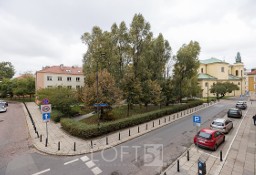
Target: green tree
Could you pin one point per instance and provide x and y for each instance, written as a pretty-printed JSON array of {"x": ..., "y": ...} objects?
[
  {"x": 220, "y": 89},
  {"x": 185, "y": 68},
  {"x": 24, "y": 85},
  {"x": 151, "y": 92},
  {"x": 6, "y": 70},
  {"x": 61, "y": 98},
  {"x": 107, "y": 90},
  {"x": 6, "y": 88}
]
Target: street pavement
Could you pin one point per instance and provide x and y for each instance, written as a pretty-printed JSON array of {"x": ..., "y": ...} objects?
[{"x": 238, "y": 158}]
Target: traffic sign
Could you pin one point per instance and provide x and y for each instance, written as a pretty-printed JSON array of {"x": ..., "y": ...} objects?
[
  {"x": 46, "y": 117},
  {"x": 45, "y": 101},
  {"x": 46, "y": 108},
  {"x": 196, "y": 119}
]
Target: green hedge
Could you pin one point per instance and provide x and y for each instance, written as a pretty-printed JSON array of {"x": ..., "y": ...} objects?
[
  {"x": 86, "y": 131},
  {"x": 56, "y": 115}
]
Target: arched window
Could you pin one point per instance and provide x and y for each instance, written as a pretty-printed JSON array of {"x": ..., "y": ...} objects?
[
  {"x": 236, "y": 72},
  {"x": 202, "y": 70},
  {"x": 241, "y": 73}
]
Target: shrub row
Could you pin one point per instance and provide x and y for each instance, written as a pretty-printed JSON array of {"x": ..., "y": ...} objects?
[{"x": 86, "y": 131}]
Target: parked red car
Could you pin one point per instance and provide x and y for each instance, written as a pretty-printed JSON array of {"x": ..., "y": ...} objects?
[{"x": 208, "y": 138}]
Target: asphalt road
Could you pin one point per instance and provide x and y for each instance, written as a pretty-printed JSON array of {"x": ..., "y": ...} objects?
[{"x": 147, "y": 154}]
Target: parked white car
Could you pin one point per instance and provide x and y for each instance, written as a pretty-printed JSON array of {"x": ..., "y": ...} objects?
[{"x": 222, "y": 125}]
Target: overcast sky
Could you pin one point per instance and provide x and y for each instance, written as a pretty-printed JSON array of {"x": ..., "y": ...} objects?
[{"x": 36, "y": 33}]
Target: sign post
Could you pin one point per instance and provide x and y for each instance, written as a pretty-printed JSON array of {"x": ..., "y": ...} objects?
[
  {"x": 197, "y": 122},
  {"x": 46, "y": 109}
]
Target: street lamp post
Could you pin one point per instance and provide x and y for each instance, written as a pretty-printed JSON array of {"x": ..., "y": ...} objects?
[{"x": 97, "y": 88}]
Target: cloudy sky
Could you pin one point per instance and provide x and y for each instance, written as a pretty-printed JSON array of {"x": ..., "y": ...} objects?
[{"x": 36, "y": 33}]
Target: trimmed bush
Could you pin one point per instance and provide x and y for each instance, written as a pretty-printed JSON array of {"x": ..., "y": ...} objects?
[
  {"x": 86, "y": 131},
  {"x": 56, "y": 115}
]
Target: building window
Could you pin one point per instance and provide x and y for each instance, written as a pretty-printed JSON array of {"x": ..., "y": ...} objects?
[
  {"x": 59, "y": 78},
  {"x": 59, "y": 87},
  {"x": 49, "y": 86},
  {"x": 236, "y": 72},
  {"x": 202, "y": 70},
  {"x": 69, "y": 87},
  {"x": 68, "y": 78},
  {"x": 206, "y": 84},
  {"x": 49, "y": 78},
  {"x": 222, "y": 69},
  {"x": 77, "y": 87},
  {"x": 78, "y": 79},
  {"x": 241, "y": 73},
  {"x": 238, "y": 83}
]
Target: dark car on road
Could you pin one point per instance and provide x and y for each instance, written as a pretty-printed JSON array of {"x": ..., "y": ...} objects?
[
  {"x": 234, "y": 112},
  {"x": 208, "y": 138},
  {"x": 241, "y": 105}
]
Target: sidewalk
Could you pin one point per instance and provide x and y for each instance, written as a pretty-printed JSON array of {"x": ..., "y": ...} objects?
[
  {"x": 238, "y": 159},
  {"x": 70, "y": 145}
]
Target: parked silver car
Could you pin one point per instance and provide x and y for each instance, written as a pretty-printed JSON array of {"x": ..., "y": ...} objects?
[
  {"x": 222, "y": 125},
  {"x": 3, "y": 108},
  {"x": 241, "y": 105}
]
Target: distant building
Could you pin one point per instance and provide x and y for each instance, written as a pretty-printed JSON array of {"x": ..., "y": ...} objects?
[
  {"x": 60, "y": 76},
  {"x": 214, "y": 70},
  {"x": 252, "y": 81}
]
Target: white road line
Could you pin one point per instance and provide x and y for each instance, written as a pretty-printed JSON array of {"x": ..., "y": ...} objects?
[
  {"x": 66, "y": 163},
  {"x": 208, "y": 154},
  {"x": 85, "y": 158},
  {"x": 41, "y": 172},
  {"x": 96, "y": 170},
  {"x": 90, "y": 164}
]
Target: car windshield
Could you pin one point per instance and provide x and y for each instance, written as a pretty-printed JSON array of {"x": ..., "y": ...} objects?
[
  {"x": 218, "y": 123},
  {"x": 204, "y": 135}
]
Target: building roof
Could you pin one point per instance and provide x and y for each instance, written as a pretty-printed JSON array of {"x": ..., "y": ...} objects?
[
  {"x": 61, "y": 69},
  {"x": 211, "y": 61},
  {"x": 233, "y": 77},
  {"x": 252, "y": 72},
  {"x": 202, "y": 76}
]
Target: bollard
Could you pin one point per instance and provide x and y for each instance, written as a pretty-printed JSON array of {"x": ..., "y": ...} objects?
[
  {"x": 58, "y": 146},
  {"x": 169, "y": 118},
  {"x": 159, "y": 121},
  {"x": 106, "y": 140},
  {"x": 146, "y": 126},
  {"x": 165, "y": 120},
  {"x": 37, "y": 134},
  {"x": 46, "y": 142},
  {"x": 91, "y": 144},
  {"x": 119, "y": 136},
  {"x": 138, "y": 129},
  {"x": 187, "y": 155},
  {"x": 221, "y": 156},
  {"x": 41, "y": 138},
  {"x": 153, "y": 124},
  {"x": 129, "y": 132},
  {"x": 178, "y": 165},
  {"x": 164, "y": 173},
  {"x": 74, "y": 146}
]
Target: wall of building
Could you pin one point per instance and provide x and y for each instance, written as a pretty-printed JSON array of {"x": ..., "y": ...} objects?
[{"x": 218, "y": 70}]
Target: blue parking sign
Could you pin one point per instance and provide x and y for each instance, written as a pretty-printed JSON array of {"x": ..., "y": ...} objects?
[
  {"x": 46, "y": 117},
  {"x": 196, "y": 119}
]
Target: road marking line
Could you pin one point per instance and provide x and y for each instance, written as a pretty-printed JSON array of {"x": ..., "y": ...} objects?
[
  {"x": 71, "y": 161},
  {"x": 208, "y": 154},
  {"x": 85, "y": 158},
  {"x": 96, "y": 170},
  {"x": 90, "y": 164},
  {"x": 41, "y": 172}
]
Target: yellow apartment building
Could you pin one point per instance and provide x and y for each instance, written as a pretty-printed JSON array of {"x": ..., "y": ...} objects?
[
  {"x": 251, "y": 76},
  {"x": 214, "y": 70}
]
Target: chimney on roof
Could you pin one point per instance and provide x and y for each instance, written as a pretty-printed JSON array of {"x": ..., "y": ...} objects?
[{"x": 61, "y": 66}]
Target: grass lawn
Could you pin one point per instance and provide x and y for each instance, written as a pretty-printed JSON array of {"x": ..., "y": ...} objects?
[{"x": 121, "y": 112}]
